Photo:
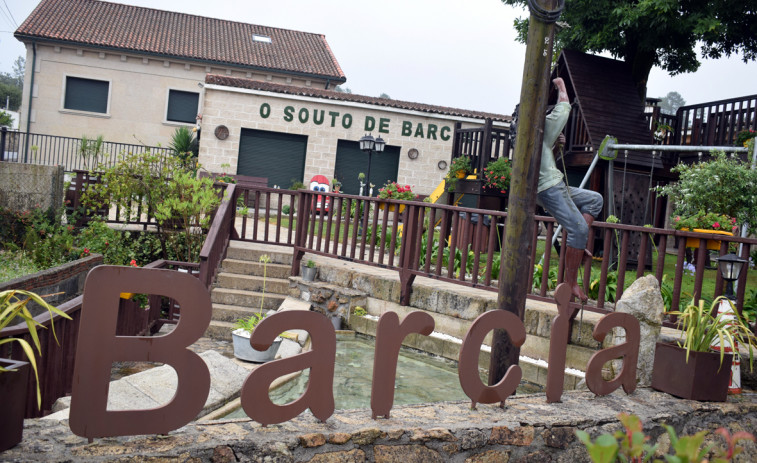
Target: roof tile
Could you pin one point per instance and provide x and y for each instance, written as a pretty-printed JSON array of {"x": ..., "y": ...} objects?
[
  {"x": 334, "y": 95},
  {"x": 178, "y": 35}
]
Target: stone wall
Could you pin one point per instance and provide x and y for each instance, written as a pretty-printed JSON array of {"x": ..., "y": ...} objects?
[
  {"x": 30, "y": 186},
  {"x": 526, "y": 430}
]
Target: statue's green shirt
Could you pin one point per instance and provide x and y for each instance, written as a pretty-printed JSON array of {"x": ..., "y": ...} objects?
[{"x": 549, "y": 175}]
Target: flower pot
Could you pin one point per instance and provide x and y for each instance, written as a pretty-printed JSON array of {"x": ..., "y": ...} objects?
[
  {"x": 392, "y": 207},
  {"x": 308, "y": 273},
  {"x": 712, "y": 245},
  {"x": 13, "y": 390},
  {"x": 702, "y": 378},
  {"x": 244, "y": 351},
  {"x": 336, "y": 321},
  {"x": 460, "y": 174}
]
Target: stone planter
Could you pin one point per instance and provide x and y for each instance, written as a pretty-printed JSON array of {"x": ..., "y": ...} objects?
[
  {"x": 308, "y": 273},
  {"x": 244, "y": 351},
  {"x": 702, "y": 378},
  {"x": 13, "y": 389}
]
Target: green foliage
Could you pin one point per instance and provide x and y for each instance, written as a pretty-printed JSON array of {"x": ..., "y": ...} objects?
[
  {"x": 458, "y": 165},
  {"x": 12, "y": 226},
  {"x": 11, "y": 85},
  {"x": 12, "y": 308},
  {"x": 147, "y": 182},
  {"x": 46, "y": 241},
  {"x": 702, "y": 329},
  {"x": 551, "y": 278},
  {"x": 630, "y": 445},
  {"x": 184, "y": 146},
  {"x": 14, "y": 264},
  {"x": 310, "y": 263},
  {"x": 706, "y": 221},
  {"x": 249, "y": 324},
  {"x": 749, "y": 309},
  {"x": 6, "y": 120},
  {"x": 190, "y": 201},
  {"x": 297, "y": 185},
  {"x": 285, "y": 209},
  {"x": 611, "y": 286},
  {"x": 90, "y": 150},
  {"x": 647, "y": 33},
  {"x": 497, "y": 175},
  {"x": 744, "y": 136},
  {"x": 723, "y": 185},
  {"x": 359, "y": 311}
]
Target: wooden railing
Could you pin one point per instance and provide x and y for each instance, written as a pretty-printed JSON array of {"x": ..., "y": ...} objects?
[
  {"x": 221, "y": 231},
  {"x": 482, "y": 145},
  {"x": 716, "y": 123},
  {"x": 375, "y": 232}
]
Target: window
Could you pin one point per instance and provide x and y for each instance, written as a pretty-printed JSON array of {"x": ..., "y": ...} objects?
[
  {"x": 182, "y": 106},
  {"x": 261, "y": 38},
  {"x": 86, "y": 95}
]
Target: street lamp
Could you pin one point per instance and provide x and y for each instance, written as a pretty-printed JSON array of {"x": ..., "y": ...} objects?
[
  {"x": 368, "y": 145},
  {"x": 730, "y": 266}
]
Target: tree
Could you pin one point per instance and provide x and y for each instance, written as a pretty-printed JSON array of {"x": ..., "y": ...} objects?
[
  {"x": 663, "y": 33},
  {"x": 6, "y": 120},
  {"x": 11, "y": 85},
  {"x": 386, "y": 96},
  {"x": 341, "y": 89},
  {"x": 670, "y": 103}
]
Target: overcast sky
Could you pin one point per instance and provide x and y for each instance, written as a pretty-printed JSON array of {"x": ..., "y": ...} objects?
[{"x": 455, "y": 53}]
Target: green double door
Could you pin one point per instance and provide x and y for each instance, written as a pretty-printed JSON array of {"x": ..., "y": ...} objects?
[{"x": 350, "y": 161}]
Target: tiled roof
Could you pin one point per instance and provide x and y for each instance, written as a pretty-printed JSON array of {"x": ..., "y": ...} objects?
[
  {"x": 178, "y": 35},
  {"x": 334, "y": 95}
]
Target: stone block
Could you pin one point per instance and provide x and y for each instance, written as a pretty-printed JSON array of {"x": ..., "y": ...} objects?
[
  {"x": 520, "y": 436},
  {"x": 405, "y": 453}
]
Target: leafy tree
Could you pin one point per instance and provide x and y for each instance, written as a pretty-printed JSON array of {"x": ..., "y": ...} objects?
[
  {"x": 341, "y": 89},
  {"x": 663, "y": 33},
  {"x": 6, "y": 120},
  {"x": 670, "y": 103},
  {"x": 385, "y": 95},
  {"x": 11, "y": 85}
]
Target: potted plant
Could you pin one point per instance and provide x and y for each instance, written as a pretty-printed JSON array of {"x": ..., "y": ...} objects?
[
  {"x": 497, "y": 176},
  {"x": 460, "y": 167},
  {"x": 724, "y": 185},
  {"x": 244, "y": 327},
  {"x": 14, "y": 374},
  {"x": 393, "y": 190},
  {"x": 705, "y": 222},
  {"x": 308, "y": 270},
  {"x": 691, "y": 369}
]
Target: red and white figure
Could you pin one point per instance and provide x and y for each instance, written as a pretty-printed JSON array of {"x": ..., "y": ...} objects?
[
  {"x": 320, "y": 183},
  {"x": 726, "y": 311}
]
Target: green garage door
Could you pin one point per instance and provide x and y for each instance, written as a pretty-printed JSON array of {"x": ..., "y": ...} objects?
[
  {"x": 350, "y": 161},
  {"x": 278, "y": 156}
]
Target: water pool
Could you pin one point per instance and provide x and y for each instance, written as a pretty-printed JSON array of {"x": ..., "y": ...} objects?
[{"x": 421, "y": 378}]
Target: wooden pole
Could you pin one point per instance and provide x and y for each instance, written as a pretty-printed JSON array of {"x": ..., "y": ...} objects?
[{"x": 516, "y": 255}]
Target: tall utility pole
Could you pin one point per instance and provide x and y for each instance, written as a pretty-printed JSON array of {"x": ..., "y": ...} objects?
[{"x": 516, "y": 257}]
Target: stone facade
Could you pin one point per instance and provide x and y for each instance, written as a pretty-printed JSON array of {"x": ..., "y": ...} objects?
[
  {"x": 239, "y": 108},
  {"x": 25, "y": 187},
  {"x": 139, "y": 86}
]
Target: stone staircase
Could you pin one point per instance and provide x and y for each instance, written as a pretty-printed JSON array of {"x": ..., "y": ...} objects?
[{"x": 238, "y": 290}]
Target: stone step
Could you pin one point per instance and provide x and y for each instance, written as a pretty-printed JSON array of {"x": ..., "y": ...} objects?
[
  {"x": 251, "y": 252},
  {"x": 277, "y": 286},
  {"x": 219, "y": 330},
  {"x": 246, "y": 267},
  {"x": 242, "y": 298},
  {"x": 232, "y": 313}
]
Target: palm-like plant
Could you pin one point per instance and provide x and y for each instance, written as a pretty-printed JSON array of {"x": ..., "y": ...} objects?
[
  {"x": 12, "y": 305},
  {"x": 702, "y": 329}
]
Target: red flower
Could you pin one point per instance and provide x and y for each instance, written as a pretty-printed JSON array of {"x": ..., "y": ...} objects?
[
  {"x": 716, "y": 225},
  {"x": 133, "y": 263}
]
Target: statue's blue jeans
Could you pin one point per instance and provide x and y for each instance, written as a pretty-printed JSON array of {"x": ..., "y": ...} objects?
[{"x": 566, "y": 205}]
